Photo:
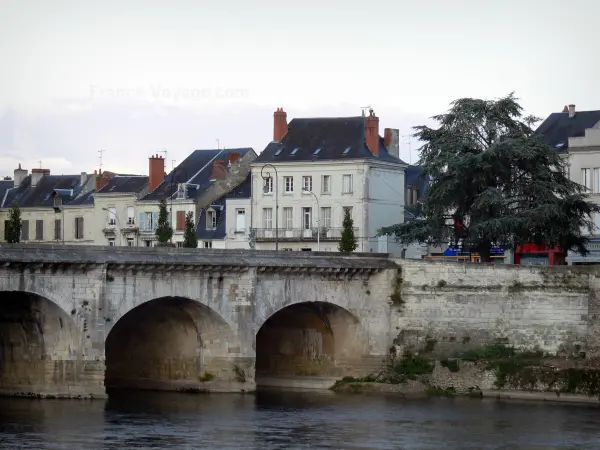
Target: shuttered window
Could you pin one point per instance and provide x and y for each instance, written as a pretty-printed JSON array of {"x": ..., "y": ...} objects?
[
  {"x": 180, "y": 221},
  {"x": 25, "y": 230},
  {"x": 78, "y": 227},
  {"x": 57, "y": 229},
  {"x": 39, "y": 230},
  {"x": 6, "y": 226}
]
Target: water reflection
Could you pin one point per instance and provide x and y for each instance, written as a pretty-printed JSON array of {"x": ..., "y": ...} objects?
[{"x": 291, "y": 420}]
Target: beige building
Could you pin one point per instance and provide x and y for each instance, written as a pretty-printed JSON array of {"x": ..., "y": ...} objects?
[
  {"x": 54, "y": 208},
  {"x": 314, "y": 171}
]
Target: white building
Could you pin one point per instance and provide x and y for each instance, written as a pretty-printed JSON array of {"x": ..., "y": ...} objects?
[{"x": 313, "y": 171}]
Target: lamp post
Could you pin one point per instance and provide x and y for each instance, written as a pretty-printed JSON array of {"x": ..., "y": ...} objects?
[
  {"x": 306, "y": 191},
  {"x": 265, "y": 176},
  {"x": 118, "y": 225}
]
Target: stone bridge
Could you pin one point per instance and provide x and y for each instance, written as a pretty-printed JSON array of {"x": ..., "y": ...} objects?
[{"x": 75, "y": 320}]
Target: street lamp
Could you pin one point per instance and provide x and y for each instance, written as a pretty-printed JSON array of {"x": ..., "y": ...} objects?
[
  {"x": 118, "y": 225},
  {"x": 306, "y": 191},
  {"x": 265, "y": 177}
]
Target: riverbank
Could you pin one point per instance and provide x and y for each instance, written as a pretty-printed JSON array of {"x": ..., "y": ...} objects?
[{"x": 494, "y": 371}]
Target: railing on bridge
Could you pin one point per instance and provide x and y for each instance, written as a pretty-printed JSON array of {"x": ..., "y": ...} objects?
[{"x": 299, "y": 234}]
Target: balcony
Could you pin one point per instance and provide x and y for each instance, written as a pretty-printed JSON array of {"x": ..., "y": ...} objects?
[{"x": 299, "y": 234}]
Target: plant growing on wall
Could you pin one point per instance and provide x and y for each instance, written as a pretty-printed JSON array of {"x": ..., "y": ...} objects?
[
  {"x": 12, "y": 232},
  {"x": 164, "y": 230},
  {"x": 190, "y": 240},
  {"x": 494, "y": 182},
  {"x": 348, "y": 241}
]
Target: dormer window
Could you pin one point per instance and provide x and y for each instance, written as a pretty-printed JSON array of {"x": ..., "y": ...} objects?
[
  {"x": 57, "y": 201},
  {"x": 181, "y": 191},
  {"x": 294, "y": 151},
  {"x": 211, "y": 219}
]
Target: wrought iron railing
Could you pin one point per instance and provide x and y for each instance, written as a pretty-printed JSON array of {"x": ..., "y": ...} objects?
[{"x": 300, "y": 234}]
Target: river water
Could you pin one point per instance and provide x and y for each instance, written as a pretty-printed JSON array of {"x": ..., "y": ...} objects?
[{"x": 294, "y": 420}]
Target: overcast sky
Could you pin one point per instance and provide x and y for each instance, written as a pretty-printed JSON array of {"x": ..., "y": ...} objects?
[{"x": 137, "y": 76}]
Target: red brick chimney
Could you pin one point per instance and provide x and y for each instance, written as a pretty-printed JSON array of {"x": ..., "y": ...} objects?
[
  {"x": 101, "y": 179},
  {"x": 233, "y": 157},
  {"x": 156, "y": 172},
  {"x": 280, "y": 125},
  {"x": 219, "y": 171},
  {"x": 372, "y": 133}
]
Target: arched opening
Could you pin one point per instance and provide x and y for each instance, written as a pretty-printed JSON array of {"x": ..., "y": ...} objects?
[
  {"x": 171, "y": 343},
  {"x": 41, "y": 348},
  {"x": 312, "y": 339}
]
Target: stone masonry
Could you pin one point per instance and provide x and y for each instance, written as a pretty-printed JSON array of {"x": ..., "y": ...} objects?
[{"x": 162, "y": 318}]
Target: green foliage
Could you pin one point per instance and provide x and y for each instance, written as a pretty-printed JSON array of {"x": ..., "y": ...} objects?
[
  {"x": 206, "y": 376},
  {"x": 493, "y": 182},
  {"x": 189, "y": 237},
  {"x": 348, "y": 242},
  {"x": 12, "y": 232},
  {"x": 451, "y": 364},
  {"x": 409, "y": 368},
  {"x": 240, "y": 374},
  {"x": 436, "y": 391},
  {"x": 164, "y": 231}
]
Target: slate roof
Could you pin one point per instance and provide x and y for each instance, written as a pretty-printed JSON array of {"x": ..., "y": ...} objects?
[
  {"x": 86, "y": 199},
  {"x": 413, "y": 176},
  {"x": 5, "y": 185},
  {"x": 123, "y": 184},
  {"x": 338, "y": 138},
  {"x": 243, "y": 190},
  {"x": 67, "y": 186},
  {"x": 195, "y": 169},
  {"x": 559, "y": 127}
]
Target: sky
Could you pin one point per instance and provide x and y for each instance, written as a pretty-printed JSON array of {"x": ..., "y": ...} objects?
[{"x": 138, "y": 77}]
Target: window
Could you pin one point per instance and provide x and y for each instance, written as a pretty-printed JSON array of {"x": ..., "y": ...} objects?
[
  {"x": 289, "y": 184},
  {"x": 25, "y": 230},
  {"x": 39, "y": 230},
  {"x": 211, "y": 219},
  {"x": 147, "y": 243},
  {"x": 268, "y": 218},
  {"x": 307, "y": 218},
  {"x": 586, "y": 179},
  {"x": 207, "y": 244},
  {"x": 58, "y": 229},
  {"x": 129, "y": 242},
  {"x": 148, "y": 221},
  {"x": 6, "y": 226},
  {"x": 293, "y": 152},
  {"x": 307, "y": 183},
  {"x": 596, "y": 180},
  {"x": 57, "y": 201},
  {"x": 112, "y": 216},
  {"x": 287, "y": 249},
  {"x": 181, "y": 191},
  {"x": 78, "y": 227},
  {"x": 240, "y": 220},
  {"x": 111, "y": 242},
  {"x": 130, "y": 215},
  {"x": 180, "y": 221},
  {"x": 326, "y": 184},
  {"x": 288, "y": 218},
  {"x": 346, "y": 184},
  {"x": 325, "y": 217},
  {"x": 268, "y": 185}
]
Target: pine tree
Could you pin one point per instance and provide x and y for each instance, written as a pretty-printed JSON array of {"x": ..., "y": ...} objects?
[
  {"x": 190, "y": 240},
  {"x": 494, "y": 182},
  {"x": 12, "y": 234},
  {"x": 164, "y": 231},
  {"x": 348, "y": 241}
]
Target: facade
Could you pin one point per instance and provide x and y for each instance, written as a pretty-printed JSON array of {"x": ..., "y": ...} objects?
[
  {"x": 117, "y": 217},
  {"x": 576, "y": 134},
  {"x": 225, "y": 222},
  {"x": 204, "y": 176},
  {"x": 313, "y": 171},
  {"x": 54, "y": 208}
]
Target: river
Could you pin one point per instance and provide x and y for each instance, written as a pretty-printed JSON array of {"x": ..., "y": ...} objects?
[{"x": 294, "y": 420}]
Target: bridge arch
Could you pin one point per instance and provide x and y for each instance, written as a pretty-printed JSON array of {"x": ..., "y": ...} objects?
[
  {"x": 168, "y": 343},
  {"x": 312, "y": 338},
  {"x": 41, "y": 347}
]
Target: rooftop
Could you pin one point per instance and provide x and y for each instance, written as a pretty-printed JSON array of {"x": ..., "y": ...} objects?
[
  {"x": 123, "y": 184},
  {"x": 324, "y": 139},
  {"x": 559, "y": 127},
  {"x": 40, "y": 195}
]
